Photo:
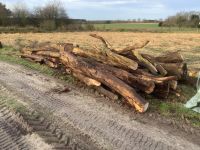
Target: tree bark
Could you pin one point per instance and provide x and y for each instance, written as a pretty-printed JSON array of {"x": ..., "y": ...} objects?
[
  {"x": 108, "y": 79},
  {"x": 33, "y": 57},
  {"x": 141, "y": 84},
  {"x": 107, "y": 57},
  {"x": 48, "y": 54},
  {"x": 124, "y": 51},
  {"x": 88, "y": 81},
  {"x": 162, "y": 90},
  {"x": 144, "y": 62},
  {"x": 50, "y": 63},
  {"x": 107, "y": 93},
  {"x": 176, "y": 69}
]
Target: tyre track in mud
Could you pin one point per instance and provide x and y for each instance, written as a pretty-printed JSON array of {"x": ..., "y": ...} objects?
[
  {"x": 10, "y": 136},
  {"x": 97, "y": 120},
  {"x": 15, "y": 126}
]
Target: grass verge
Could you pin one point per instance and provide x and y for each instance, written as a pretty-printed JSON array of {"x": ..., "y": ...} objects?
[{"x": 171, "y": 107}]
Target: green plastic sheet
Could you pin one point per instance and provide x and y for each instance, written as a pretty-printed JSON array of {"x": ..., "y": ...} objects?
[{"x": 194, "y": 102}]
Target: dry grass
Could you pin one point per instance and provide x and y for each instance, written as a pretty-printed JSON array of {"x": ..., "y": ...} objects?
[{"x": 187, "y": 43}]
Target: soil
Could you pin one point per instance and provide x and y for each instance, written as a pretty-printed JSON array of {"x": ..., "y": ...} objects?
[{"x": 93, "y": 118}]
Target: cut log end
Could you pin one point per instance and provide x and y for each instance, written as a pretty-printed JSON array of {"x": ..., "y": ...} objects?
[
  {"x": 143, "y": 108},
  {"x": 1, "y": 46}
]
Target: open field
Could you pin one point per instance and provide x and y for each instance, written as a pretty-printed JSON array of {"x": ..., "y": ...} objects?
[
  {"x": 141, "y": 27},
  {"x": 127, "y": 25},
  {"x": 187, "y": 43}
]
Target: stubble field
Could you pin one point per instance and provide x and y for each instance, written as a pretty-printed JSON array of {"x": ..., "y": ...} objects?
[{"x": 187, "y": 43}]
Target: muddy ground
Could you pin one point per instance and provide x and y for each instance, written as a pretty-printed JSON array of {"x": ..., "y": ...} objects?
[{"x": 90, "y": 118}]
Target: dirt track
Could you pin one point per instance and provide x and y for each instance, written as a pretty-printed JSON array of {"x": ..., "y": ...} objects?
[{"x": 92, "y": 116}]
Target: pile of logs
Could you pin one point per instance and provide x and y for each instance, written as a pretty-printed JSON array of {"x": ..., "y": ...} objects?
[{"x": 126, "y": 72}]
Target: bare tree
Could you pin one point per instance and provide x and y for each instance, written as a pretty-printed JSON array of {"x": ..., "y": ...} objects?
[
  {"x": 52, "y": 10},
  {"x": 4, "y": 12},
  {"x": 20, "y": 10},
  {"x": 183, "y": 19}
]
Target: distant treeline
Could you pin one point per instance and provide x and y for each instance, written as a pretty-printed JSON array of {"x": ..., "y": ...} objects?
[
  {"x": 50, "y": 17},
  {"x": 123, "y": 21},
  {"x": 183, "y": 19},
  {"x": 37, "y": 22}
]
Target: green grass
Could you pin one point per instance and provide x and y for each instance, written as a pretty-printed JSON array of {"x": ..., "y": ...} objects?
[
  {"x": 140, "y": 27},
  {"x": 176, "y": 111},
  {"x": 11, "y": 55},
  {"x": 171, "y": 107},
  {"x": 127, "y": 25}
]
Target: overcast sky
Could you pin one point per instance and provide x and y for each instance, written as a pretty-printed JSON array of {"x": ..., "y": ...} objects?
[{"x": 117, "y": 9}]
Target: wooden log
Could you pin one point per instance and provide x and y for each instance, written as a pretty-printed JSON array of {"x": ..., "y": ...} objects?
[
  {"x": 176, "y": 69},
  {"x": 88, "y": 81},
  {"x": 26, "y": 51},
  {"x": 160, "y": 69},
  {"x": 107, "y": 57},
  {"x": 157, "y": 65},
  {"x": 51, "y": 49},
  {"x": 33, "y": 57},
  {"x": 50, "y": 63},
  {"x": 145, "y": 62},
  {"x": 55, "y": 60},
  {"x": 123, "y": 51},
  {"x": 141, "y": 84},
  {"x": 170, "y": 57},
  {"x": 162, "y": 90},
  {"x": 128, "y": 50},
  {"x": 48, "y": 54},
  {"x": 173, "y": 84},
  {"x": 90, "y": 70},
  {"x": 149, "y": 77},
  {"x": 106, "y": 93}
]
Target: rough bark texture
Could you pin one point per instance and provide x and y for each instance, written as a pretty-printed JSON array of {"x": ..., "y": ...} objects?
[
  {"x": 35, "y": 58},
  {"x": 88, "y": 81},
  {"x": 48, "y": 54},
  {"x": 162, "y": 90},
  {"x": 106, "y": 93},
  {"x": 144, "y": 62},
  {"x": 134, "y": 81},
  {"x": 107, "y": 57},
  {"x": 123, "y": 51},
  {"x": 109, "y": 80},
  {"x": 170, "y": 57},
  {"x": 176, "y": 69}
]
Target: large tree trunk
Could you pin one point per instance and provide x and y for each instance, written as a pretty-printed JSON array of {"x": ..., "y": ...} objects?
[
  {"x": 108, "y": 79},
  {"x": 170, "y": 57},
  {"x": 134, "y": 81},
  {"x": 88, "y": 81},
  {"x": 107, "y": 57},
  {"x": 176, "y": 69},
  {"x": 35, "y": 58}
]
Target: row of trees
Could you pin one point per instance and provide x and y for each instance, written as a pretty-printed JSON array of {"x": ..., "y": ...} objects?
[
  {"x": 52, "y": 12},
  {"x": 183, "y": 19}
]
